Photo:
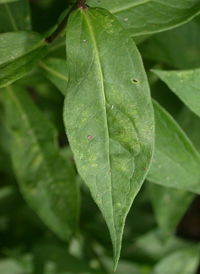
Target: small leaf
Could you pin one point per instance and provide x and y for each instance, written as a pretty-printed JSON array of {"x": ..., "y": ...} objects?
[
  {"x": 185, "y": 84},
  {"x": 47, "y": 181},
  {"x": 108, "y": 114},
  {"x": 149, "y": 16},
  {"x": 182, "y": 52},
  {"x": 6, "y": 1},
  {"x": 19, "y": 53},
  {"x": 15, "y": 15},
  {"x": 56, "y": 70},
  {"x": 184, "y": 261},
  {"x": 169, "y": 206},
  {"x": 176, "y": 162}
]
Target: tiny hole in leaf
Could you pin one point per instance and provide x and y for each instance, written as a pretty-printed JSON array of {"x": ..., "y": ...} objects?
[{"x": 135, "y": 81}]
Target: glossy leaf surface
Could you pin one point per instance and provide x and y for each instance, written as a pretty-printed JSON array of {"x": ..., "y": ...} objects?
[
  {"x": 108, "y": 114},
  {"x": 18, "y": 58},
  {"x": 169, "y": 206},
  {"x": 185, "y": 84},
  {"x": 141, "y": 17},
  {"x": 176, "y": 162},
  {"x": 15, "y": 15},
  {"x": 184, "y": 261},
  {"x": 47, "y": 181},
  {"x": 56, "y": 70}
]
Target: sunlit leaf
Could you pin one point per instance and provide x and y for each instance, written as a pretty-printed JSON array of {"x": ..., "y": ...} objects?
[{"x": 108, "y": 114}]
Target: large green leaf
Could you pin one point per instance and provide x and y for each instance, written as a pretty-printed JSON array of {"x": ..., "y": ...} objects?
[
  {"x": 182, "y": 52},
  {"x": 176, "y": 162},
  {"x": 56, "y": 70},
  {"x": 185, "y": 84},
  {"x": 19, "y": 53},
  {"x": 47, "y": 181},
  {"x": 108, "y": 114},
  {"x": 169, "y": 206},
  {"x": 14, "y": 15},
  {"x": 185, "y": 261},
  {"x": 142, "y": 17}
]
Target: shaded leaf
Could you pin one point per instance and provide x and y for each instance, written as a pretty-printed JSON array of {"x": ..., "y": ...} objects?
[
  {"x": 15, "y": 15},
  {"x": 185, "y": 261},
  {"x": 169, "y": 206},
  {"x": 14, "y": 266},
  {"x": 145, "y": 17},
  {"x": 176, "y": 162},
  {"x": 47, "y": 181},
  {"x": 108, "y": 114},
  {"x": 18, "y": 58},
  {"x": 56, "y": 70},
  {"x": 185, "y": 84},
  {"x": 182, "y": 52}
]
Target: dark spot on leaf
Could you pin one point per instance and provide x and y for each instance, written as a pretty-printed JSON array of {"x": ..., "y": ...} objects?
[
  {"x": 90, "y": 137},
  {"x": 135, "y": 81},
  {"x": 144, "y": 168},
  {"x": 147, "y": 132},
  {"x": 110, "y": 172}
]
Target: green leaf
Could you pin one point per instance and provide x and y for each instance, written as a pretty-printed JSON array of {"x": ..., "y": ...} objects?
[
  {"x": 142, "y": 17},
  {"x": 169, "y": 206},
  {"x": 185, "y": 84},
  {"x": 182, "y": 52},
  {"x": 19, "y": 53},
  {"x": 14, "y": 15},
  {"x": 185, "y": 261},
  {"x": 14, "y": 266},
  {"x": 56, "y": 70},
  {"x": 47, "y": 181},
  {"x": 176, "y": 162},
  {"x": 6, "y": 1},
  {"x": 108, "y": 114}
]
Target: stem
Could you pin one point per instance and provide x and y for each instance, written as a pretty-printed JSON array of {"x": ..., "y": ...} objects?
[{"x": 79, "y": 4}]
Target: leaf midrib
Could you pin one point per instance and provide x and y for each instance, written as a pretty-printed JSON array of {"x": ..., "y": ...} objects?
[
  {"x": 104, "y": 99},
  {"x": 14, "y": 25}
]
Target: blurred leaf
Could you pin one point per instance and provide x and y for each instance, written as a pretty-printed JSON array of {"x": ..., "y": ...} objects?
[
  {"x": 6, "y": 1},
  {"x": 17, "y": 266},
  {"x": 190, "y": 123},
  {"x": 182, "y": 52},
  {"x": 56, "y": 70},
  {"x": 113, "y": 137},
  {"x": 185, "y": 84},
  {"x": 20, "y": 57},
  {"x": 150, "y": 248},
  {"x": 58, "y": 49},
  {"x": 176, "y": 162},
  {"x": 184, "y": 261},
  {"x": 149, "y": 16},
  {"x": 14, "y": 15},
  {"x": 46, "y": 179},
  {"x": 169, "y": 206}
]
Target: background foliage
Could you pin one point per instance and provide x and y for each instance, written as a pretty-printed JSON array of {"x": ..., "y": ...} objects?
[{"x": 49, "y": 223}]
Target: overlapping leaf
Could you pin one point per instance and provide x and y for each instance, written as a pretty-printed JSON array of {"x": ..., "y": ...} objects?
[
  {"x": 141, "y": 17},
  {"x": 46, "y": 179},
  {"x": 108, "y": 114},
  {"x": 15, "y": 15},
  {"x": 169, "y": 206},
  {"x": 176, "y": 162},
  {"x": 19, "y": 53},
  {"x": 185, "y": 84}
]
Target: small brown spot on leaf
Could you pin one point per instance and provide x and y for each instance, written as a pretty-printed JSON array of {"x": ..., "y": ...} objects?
[
  {"x": 144, "y": 168},
  {"x": 90, "y": 137},
  {"x": 110, "y": 172},
  {"x": 147, "y": 132}
]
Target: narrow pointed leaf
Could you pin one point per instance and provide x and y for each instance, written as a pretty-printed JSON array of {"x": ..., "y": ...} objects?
[
  {"x": 47, "y": 181},
  {"x": 14, "y": 16},
  {"x": 184, "y": 261},
  {"x": 176, "y": 162},
  {"x": 169, "y": 206},
  {"x": 108, "y": 114},
  {"x": 185, "y": 84},
  {"x": 141, "y": 17},
  {"x": 19, "y": 53},
  {"x": 56, "y": 70}
]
